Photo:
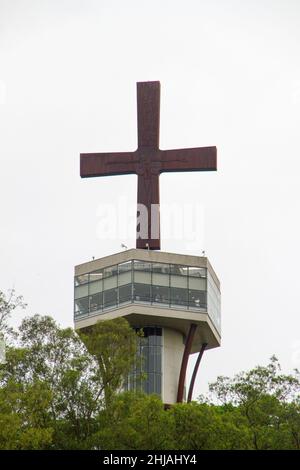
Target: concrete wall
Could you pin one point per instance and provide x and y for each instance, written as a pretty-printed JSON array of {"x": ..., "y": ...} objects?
[
  {"x": 173, "y": 348},
  {"x": 175, "y": 319}
]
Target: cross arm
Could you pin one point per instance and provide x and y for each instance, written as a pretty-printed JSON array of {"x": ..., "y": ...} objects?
[
  {"x": 193, "y": 159},
  {"x": 106, "y": 164}
]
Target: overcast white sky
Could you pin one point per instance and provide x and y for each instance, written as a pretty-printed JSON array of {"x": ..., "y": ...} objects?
[{"x": 230, "y": 77}]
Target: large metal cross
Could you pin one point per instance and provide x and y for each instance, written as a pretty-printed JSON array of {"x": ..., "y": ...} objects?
[{"x": 148, "y": 161}]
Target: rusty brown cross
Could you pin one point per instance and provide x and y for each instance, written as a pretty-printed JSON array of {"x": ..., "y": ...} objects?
[{"x": 148, "y": 161}]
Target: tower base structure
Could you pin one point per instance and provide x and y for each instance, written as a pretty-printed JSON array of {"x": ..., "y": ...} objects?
[{"x": 174, "y": 298}]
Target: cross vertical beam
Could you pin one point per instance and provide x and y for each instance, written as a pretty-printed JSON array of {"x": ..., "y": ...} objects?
[
  {"x": 148, "y": 112},
  {"x": 148, "y": 162}
]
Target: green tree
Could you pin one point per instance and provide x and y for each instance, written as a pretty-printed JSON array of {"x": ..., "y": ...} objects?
[
  {"x": 268, "y": 400},
  {"x": 202, "y": 426},
  {"x": 134, "y": 421},
  {"x": 113, "y": 344},
  {"x": 61, "y": 390},
  {"x": 24, "y": 417},
  {"x": 57, "y": 359}
]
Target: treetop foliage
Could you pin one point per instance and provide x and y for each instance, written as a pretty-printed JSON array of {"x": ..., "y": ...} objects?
[{"x": 63, "y": 390}]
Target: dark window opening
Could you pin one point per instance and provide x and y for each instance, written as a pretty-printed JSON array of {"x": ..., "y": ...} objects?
[
  {"x": 110, "y": 298},
  {"x": 125, "y": 293}
]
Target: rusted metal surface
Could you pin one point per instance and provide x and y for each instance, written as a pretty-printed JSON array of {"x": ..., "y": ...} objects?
[
  {"x": 184, "y": 363},
  {"x": 195, "y": 371},
  {"x": 148, "y": 161}
]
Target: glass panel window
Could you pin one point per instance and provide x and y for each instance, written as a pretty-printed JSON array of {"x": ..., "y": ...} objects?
[
  {"x": 124, "y": 278},
  {"x": 151, "y": 366},
  {"x": 125, "y": 267},
  {"x": 81, "y": 291},
  {"x": 197, "y": 272},
  {"x": 110, "y": 271},
  {"x": 95, "y": 287},
  {"x": 95, "y": 302},
  {"x": 197, "y": 299},
  {"x": 141, "y": 292},
  {"x": 144, "y": 362},
  {"x": 110, "y": 282},
  {"x": 157, "y": 361},
  {"x": 214, "y": 302},
  {"x": 179, "y": 270},
  {"x": 160, "y": 268},
  {"x": 160, "y": 295},
  {"x": 160, "y": 279},
  {"x": 197, "y": 283},
  {"x": 179, "y": 296},
  {"x": 151, "y": 380},
  {"x": 96, "y": 275},
  {"x": 141, "y": 266},
  {"x": 142, "y": 277},
  {"x": 110, "y": 298},
  {"x": 146, "y": 375},
  {"x": 179, "y": 281},
  {"x": 82, "y": 306},
  {"x": 158, "y": 384},
  {"x": 125, "y": 294},
  {"x": 82, "y": 279}
]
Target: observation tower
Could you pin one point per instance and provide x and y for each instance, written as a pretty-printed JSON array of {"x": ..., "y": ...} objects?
[{"x": 174, "y": 298}]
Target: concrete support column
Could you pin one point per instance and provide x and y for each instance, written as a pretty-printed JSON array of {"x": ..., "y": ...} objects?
[{"x": 173, "y": 347}]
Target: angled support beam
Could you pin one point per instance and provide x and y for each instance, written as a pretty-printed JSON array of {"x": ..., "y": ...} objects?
[
  {"x": 195, "y": 371},
  {"x": 184, "y": 363}
]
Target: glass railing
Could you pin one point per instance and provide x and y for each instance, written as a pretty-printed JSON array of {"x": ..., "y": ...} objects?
[{"x": 157, "y": 284}]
